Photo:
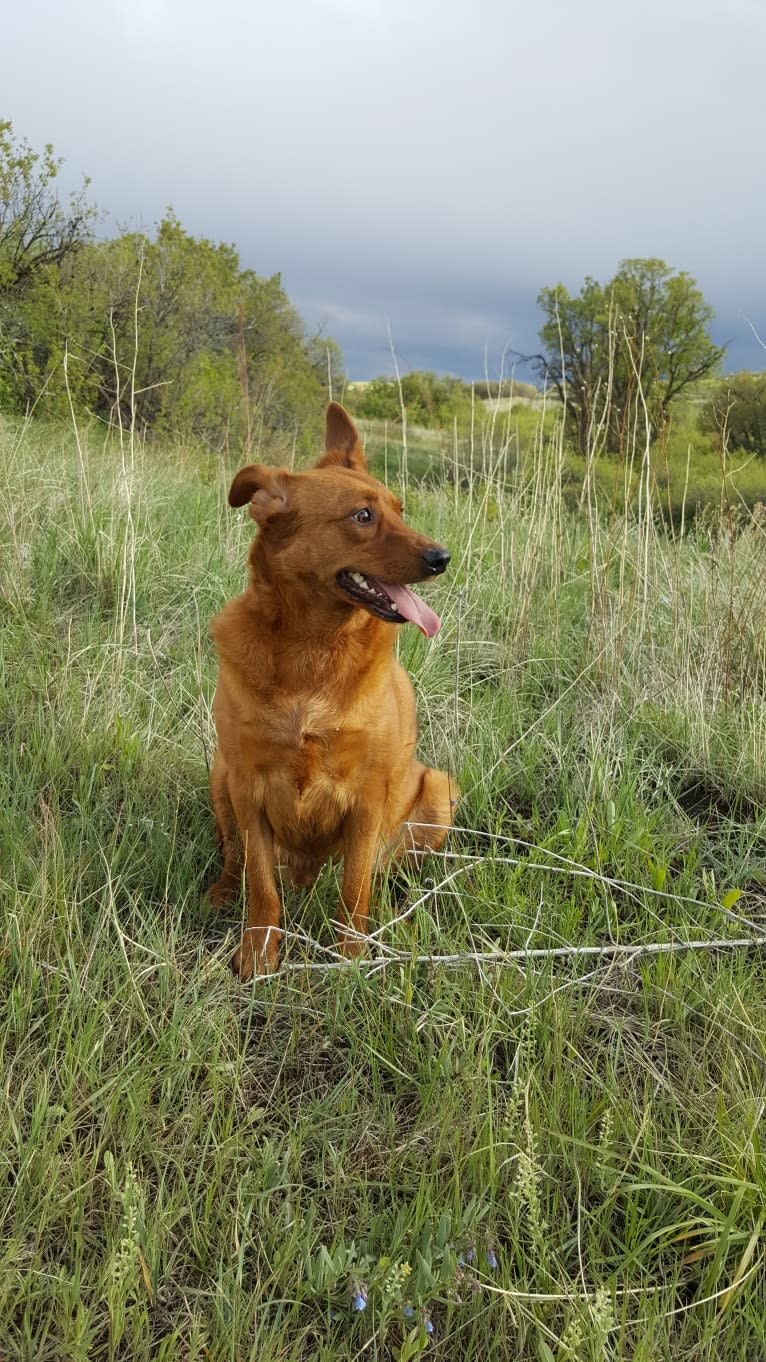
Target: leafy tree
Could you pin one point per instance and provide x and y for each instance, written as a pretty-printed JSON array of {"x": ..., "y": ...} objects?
[
  {"x": 35, "y": 229},
  {"x": 142, "y": 313},
  {"x": 430, "y": 400},
  {"x": 37, "y": 236},
  {"x": 168, "y": 333},
  {"x": 638, "y": 341},
  {"x": 737, "y": 411},
  {"x": 286, "y": 371},
  {"x": 377, "y": 400},
  {"x": 326, "y": 359}
]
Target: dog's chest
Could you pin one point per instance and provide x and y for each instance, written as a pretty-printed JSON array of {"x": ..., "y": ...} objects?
[
  {"x": 305, "y": 723},
  {"x": 315, "y": 745}
]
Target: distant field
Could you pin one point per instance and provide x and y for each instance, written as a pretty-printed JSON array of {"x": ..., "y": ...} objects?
[
  {"x": 529, "y": 1126},
  {"x": 686, "y": 472}
]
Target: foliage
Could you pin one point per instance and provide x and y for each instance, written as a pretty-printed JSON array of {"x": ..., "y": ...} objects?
[
  {"x": 167, "y": 333},
  {"x": 737, "y": 413},
  {"x": 431, "y": 401},
  {"x": 619, "y": 354},
  {"x": 38, "y": 237},
  {"x": 35, "y": 230},
  {"x": 682, "y": 467},
  {"x": 162, "y": 332},
  {"x": 326, "y": 359},
  {"x": 492, "y": 389}
]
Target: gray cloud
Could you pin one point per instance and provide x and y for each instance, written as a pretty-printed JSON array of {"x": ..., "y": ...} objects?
[{"x": 425, "y": 164}]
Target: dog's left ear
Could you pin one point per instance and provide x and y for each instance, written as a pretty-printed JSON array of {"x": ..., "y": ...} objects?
[
  {"x": 342, "y": 444},
  {"x": 265, "y": 489}
]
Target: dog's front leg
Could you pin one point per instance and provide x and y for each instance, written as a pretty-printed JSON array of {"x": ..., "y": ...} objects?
[
  {"x": 361, "y": 838},
  {"x": 259, "y": 948}
]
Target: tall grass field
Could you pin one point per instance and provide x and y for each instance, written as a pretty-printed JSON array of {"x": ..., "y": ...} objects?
[{"x": 529, "y": 1124}]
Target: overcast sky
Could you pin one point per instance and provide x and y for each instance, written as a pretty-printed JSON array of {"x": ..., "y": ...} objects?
[{"x": 426, "y": 165}]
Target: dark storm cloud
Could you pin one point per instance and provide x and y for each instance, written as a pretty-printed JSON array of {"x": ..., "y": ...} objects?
[{"x": 420, "y": 164}]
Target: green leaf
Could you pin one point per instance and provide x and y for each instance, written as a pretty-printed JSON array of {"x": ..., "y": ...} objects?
[
  {"x": 413, "y": 1345},
  {"x": 659, "y": 874}
]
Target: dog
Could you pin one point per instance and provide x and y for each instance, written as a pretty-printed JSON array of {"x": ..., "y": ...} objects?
[{"x": 315, "y": 717}]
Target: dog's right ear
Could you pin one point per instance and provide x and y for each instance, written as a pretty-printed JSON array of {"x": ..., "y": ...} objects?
[
  {"x": 343, "y": 448},
  {"x": 265, "y": 489}
]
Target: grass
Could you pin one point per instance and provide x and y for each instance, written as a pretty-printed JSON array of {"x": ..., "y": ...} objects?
[
  {"x": 547, "y": 1157},
  {"x": 689, "y": 475}
]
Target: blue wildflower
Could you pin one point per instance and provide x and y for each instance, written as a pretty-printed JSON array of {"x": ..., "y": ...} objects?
[
  {"x": 359, "y": 1298},
  {"x": 408, "y": 1312},
  {"x": 470, "y": 1254},
  {"x": 491, "y": 1259},
  {"x": 429, "y": 1326}
]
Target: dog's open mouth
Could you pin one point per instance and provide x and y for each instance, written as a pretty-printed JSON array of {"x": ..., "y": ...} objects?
[{"x": 396, "y": 604}]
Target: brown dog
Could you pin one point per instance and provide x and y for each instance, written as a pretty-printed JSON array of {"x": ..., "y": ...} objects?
[{"x": 315, "y": 716}]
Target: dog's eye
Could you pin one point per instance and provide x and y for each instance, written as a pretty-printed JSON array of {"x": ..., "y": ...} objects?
[{"x": 363, "y": 517}]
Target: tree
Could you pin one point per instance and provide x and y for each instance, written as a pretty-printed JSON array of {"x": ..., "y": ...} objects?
[
  {"x": 37, "y": 236},
  {"x": 430, "y": 400},
  {"x": 166, "y": 332},
  {"x": 326, "y": 359},
  {"x": 171, "y": 332},
  {"x": 737, "y": 411},
  {"x": 619, "y": 352},
  {"x": 35, "y": 229}
]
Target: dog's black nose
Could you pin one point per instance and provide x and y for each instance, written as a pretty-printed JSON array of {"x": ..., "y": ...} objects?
[{"x": 436, "y": 559}]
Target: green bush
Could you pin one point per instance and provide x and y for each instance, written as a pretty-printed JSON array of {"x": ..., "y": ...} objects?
[
  {"x": 737, "y": 413},
  {"x": 163, "y": 332},
  {"x": 430, "y": 400}
]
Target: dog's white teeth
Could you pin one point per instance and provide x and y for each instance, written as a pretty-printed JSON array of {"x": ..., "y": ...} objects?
[{"x": 361, "y": 580}]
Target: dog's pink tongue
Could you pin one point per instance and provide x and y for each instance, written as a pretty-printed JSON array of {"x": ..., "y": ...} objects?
[{"x": 413, "y": 608}]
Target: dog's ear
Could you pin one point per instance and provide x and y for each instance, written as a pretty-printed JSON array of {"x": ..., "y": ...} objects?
[
  {"x": 342, "y": 444},
  {"x": 265, "y": 489}
]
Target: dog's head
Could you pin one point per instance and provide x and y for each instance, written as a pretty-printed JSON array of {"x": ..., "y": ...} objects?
[{"x": 340, "y": 532}]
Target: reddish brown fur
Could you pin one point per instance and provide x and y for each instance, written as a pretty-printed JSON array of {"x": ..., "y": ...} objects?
[{"x": 315, "y": 716}]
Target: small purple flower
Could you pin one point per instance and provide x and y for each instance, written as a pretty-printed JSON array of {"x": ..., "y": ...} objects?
[
  {"x": 470, "y": 1254},
  {"x": 359, "y": 1301},
  {"x": 429, "y": 1326},
  {"x": 491, "y": 1259},
  {"x": 408, "y": 1312}
]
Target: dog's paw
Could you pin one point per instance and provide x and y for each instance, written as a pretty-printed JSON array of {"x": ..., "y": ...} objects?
[
  {"x": 250, "y": 959},
  {"x": 243, "y": 964},
  {"x": 351, "y": 945},
  {"x": 220, "y": 894}
]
